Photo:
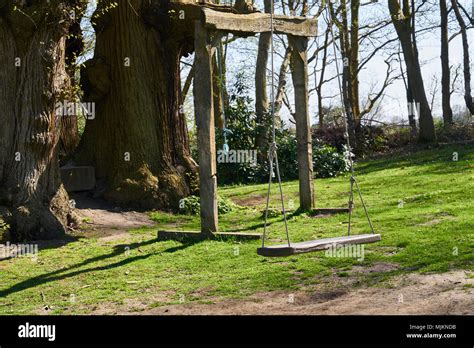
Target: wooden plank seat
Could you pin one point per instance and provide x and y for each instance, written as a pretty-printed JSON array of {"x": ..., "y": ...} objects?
[{"x": 281, "y": 250}]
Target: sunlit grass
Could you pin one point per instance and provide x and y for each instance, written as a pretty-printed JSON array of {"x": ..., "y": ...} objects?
[{"x": 421, "y": 203}]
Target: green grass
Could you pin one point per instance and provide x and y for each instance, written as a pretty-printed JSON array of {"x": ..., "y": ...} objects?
[{"x": 421, "y": 203}]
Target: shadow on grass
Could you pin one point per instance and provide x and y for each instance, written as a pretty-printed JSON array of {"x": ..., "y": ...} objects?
[
  {"x": 42, "y": 245},
  {"x": 62, "y": 273},
  {"x": 185, "y": 244}
]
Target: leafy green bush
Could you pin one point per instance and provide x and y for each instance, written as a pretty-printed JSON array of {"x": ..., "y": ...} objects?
[
  {"x": 240, "y": 120},
  {"x": 4, "y": 230},
  {"x": 191, "y": 205},
  {"x": 327, "y": 162},
  {"x": 287, "y": 154},
  {"x": 225, "y": 205}
]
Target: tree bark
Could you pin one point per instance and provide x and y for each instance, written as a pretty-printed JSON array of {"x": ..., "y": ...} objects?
[
  {"x": 32, "y": 71},
  {"x": 401, "y": 21},
  {"x": 354, "y": 65},
  {"x": 348, "y": 80},
  {"x": 138, "y": 142},
  {"x": 445, "y": 69},
  {"x": 261, "y": 95},
  {"x": 69, "y": 129},
  {"x": 299, "y": 71},
  {"x": 205, "y": 124},
  {"x": 466, "y": 58}
]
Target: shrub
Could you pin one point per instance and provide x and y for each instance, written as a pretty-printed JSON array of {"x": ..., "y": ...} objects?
[
  {"x": 287, "y": 154},
  {"x": 240, "y": 119},
  {"x": 191, "y": 205},
  {"x": 4, "y": 230},
  {"x": 331, "y": 135},
  {"x": 328, "y": 162},
  {"x": 456, "y": 132}
]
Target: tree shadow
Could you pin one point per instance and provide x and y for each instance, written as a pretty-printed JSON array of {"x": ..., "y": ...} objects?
[
  {"x": 289, "y": 215},
  {"x": 61, "y": 273},
  {"x": 184, "y": 245},
  {"x": 42, "y": 245}
]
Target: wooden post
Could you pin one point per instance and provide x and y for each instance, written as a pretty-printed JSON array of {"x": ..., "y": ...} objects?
[
  {"x": 299, "y": 71},
  {"x": 204, "y": 111}
]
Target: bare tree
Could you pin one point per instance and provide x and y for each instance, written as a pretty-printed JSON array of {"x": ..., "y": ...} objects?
[
  {"x": 466, "y": 57},
  {"x": 402, "y": 16},
  {"x": 445, "y": 68}
]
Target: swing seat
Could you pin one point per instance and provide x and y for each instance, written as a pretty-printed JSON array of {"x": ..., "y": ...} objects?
[{"x": 282, "y": 250}]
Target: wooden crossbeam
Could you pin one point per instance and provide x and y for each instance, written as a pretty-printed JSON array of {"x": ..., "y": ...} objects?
[{"x": 258, "y": 23}]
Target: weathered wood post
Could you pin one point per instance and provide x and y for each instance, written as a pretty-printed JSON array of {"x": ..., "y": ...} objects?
[
  {"x": 204, "y": 111},
  {"x": 299, "y": 72}
]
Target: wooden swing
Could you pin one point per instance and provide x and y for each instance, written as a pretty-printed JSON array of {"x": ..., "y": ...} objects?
[{"x": 289, "y": 248}]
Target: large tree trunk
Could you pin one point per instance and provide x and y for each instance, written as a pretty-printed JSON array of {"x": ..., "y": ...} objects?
[
  {"x": 466, "y": 58},
  {"x": 445, "y": 69},
  {"x": 32, "y": 79},
  {"x": 138, "y": 142},
  {"x": 261, "y": 95},
  {"x": 401, "y": 20}
]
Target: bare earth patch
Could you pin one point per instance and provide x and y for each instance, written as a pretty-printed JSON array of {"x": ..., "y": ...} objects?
[
  {"x": 109, "y": 223},
  {"x": 442, "y": 294},
  {"x": 251, "y": 200},
  {"x": 447, "y": 293}
]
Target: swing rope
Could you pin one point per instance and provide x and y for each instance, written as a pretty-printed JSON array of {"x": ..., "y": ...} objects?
[
  {"x": 353, "y": 180},
  {"x": 220, "y": 67},
  {"x": 273, "y": 153}
]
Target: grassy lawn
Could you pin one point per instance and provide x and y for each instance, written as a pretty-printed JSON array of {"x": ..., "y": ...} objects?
[{"x": 421, "y": 203}]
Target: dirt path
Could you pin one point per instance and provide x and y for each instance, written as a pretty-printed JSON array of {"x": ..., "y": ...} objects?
[
  {"x": 415, "y": 294},
  {"x": 100, "y": 219},
  {"x": 448, "y": 293}
]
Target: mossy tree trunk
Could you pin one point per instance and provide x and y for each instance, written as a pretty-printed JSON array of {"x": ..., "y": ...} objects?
[
  {"x": 138, "y": 142},
  {"x": 32, "y": 80}
]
